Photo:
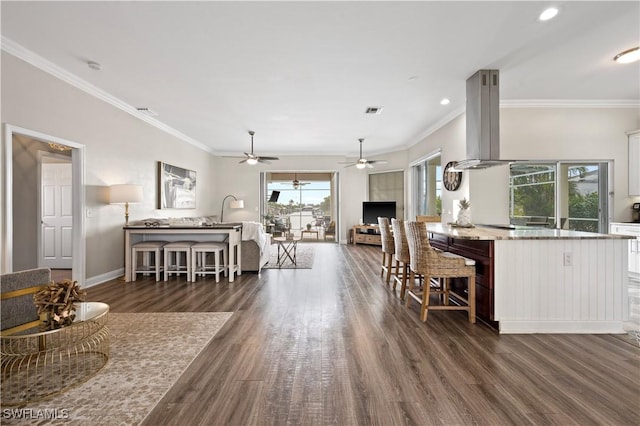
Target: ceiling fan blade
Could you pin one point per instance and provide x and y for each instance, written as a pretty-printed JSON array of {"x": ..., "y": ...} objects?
[
  {"x": 346, "y": 162},
  {"x": 262, "y": 160},
  {"x": 269, "y": 158},
  {"x": 349, "y": 164},
  {"x": 243, "y": 161},
  {"x": 368, "y": 165},
  {"x": 377, "y": 161}
]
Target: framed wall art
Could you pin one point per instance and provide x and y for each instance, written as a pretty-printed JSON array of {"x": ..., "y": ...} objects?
[{"x": 176, "y": 187}]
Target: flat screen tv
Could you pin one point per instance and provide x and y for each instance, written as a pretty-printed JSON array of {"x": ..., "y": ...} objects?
[{"x": 371, "y": 210}]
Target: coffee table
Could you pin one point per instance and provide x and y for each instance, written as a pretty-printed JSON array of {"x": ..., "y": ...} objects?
[
  {"x": 37, "y": 365},
  {"x": 286, "y": 250}
]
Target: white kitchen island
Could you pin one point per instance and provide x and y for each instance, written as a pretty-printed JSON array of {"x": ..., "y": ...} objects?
[{"x": 539, "y": 280}]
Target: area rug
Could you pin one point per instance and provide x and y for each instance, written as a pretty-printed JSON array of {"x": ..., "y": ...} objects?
[
  {"x": 149, "y": 352},
  {"x": 304, "y": 258}
]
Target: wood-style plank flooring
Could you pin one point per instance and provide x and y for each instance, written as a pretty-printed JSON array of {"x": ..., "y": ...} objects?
[{"x": 334, "y": 345}]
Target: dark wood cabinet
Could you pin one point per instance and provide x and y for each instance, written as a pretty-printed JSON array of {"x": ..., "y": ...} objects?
[{"x": 482, "y": 252}]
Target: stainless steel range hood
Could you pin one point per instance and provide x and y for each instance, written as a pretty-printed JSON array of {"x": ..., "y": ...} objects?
[{"x": 483, "y": 121}]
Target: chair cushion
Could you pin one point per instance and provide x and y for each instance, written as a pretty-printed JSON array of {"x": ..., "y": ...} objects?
[{"x": 467, "y": 261}]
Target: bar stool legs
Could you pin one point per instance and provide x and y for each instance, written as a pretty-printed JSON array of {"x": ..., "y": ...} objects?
[
  {"x": 147, "y": 248},
  {"x": 173, "y": 254},
  {"x": 199, "y": 253}
]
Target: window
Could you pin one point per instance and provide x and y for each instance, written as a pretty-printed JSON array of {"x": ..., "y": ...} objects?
[
  {"x": 388, "y": 186},
  {"x": 572, "y": 191},
  {"x": 426, "y": 178}
]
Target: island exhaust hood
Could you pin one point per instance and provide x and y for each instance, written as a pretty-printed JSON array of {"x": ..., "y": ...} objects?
[{"x": 483, "y": 121}]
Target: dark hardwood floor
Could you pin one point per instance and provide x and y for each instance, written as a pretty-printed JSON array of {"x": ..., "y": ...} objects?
[{"x": 334, "y": 345}]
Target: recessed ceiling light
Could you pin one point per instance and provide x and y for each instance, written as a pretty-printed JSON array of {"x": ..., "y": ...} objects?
[
  {"x": 445, "y": 101},
  {"x": 94, "y": 65},
  {"x": 628, "y": 56},
  {"x": 373, "y": 110},
  {"x": 547, "y": 14}
]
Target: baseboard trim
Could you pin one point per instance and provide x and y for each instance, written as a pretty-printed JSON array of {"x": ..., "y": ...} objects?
[
  {"x": 561, "y": 327},
  {"x": 103, "y": 278}
]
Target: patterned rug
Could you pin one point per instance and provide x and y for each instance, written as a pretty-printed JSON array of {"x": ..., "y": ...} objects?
[
  {"x": 149, "y": 352},
  {"x": 304, "y": 258}
]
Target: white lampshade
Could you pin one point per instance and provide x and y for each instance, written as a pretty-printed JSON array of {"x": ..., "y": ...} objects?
[
  {"x": 125, "y": 193},
  {"x": 237, "y": 204}
]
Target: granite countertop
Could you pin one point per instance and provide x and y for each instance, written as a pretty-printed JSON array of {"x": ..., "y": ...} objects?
[{"x": 483, "y": 232}]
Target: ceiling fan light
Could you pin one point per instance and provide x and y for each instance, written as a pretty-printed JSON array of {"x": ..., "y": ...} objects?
[
  {"x": 628, "y": 56},
  {"x": 252, "y": 161},
  {"x": 361, "y": 165}
]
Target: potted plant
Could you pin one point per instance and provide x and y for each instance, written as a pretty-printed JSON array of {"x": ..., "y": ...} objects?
[
  {"x": 308, "y": 227},
  {"x": 464, "y": 215}
]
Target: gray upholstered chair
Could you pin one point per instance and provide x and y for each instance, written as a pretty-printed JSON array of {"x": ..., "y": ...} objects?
[{"x": 19, "y": 313}]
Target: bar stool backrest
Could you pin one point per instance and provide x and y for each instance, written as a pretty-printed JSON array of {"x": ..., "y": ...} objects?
[
  {"x": 400, "y": 241},
  {"x": 385, "y": 235}
]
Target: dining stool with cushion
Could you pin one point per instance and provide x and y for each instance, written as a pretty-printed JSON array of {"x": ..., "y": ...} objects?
[
  {"x": 199, "y": 252},
  {"x": 147, "y": 248},
  {"x": 174, "y": 253},
  {"x": 427, "y": 261},
  {"x": 388, "y": 248}
]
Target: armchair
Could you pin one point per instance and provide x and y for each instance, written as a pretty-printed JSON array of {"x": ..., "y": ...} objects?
[{"x": 330, "y": 230}]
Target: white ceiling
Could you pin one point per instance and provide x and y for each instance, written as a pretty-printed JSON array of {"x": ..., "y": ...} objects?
[{"x": 302, "y": 73}]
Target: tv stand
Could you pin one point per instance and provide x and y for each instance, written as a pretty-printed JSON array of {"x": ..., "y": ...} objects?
[{"x": 367, "y": 234}]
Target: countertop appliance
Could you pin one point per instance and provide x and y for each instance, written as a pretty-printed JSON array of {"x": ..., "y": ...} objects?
[{"x": 635, "y": 213}]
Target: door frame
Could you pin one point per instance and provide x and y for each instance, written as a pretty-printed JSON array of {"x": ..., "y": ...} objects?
[{"x": 78, "y": 194}]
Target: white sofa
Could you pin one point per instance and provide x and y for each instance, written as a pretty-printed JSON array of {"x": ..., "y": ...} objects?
[{"x": 256, "y": 245}]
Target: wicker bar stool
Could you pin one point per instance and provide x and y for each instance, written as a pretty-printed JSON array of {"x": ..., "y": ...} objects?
[
  {"x": 402, "y": 256},
  {"x": 199, "y": 252},
  {"x": 388, "y": 248},
  {"x": 173, "y": 253},
  {"x": 427, "y": 261},
  {"x": 147, "y": 248}
]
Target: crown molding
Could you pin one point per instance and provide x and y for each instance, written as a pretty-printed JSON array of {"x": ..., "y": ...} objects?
[
  {"x": 530, "y": 103},
  {"x": 570, "y": 103},
  {"x": 438, "y": 125},
  {"x": 19, "y": 51}
]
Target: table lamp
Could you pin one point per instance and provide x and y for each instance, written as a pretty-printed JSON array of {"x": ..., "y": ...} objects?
[{"x": 125, "y": 194}]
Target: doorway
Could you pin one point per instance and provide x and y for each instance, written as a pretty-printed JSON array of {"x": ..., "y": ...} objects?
[{"x": 21, "y": 214}]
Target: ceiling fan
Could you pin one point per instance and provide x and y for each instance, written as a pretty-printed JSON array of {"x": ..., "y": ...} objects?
[
  {"x": 296, "y": 183},
  {"x": 363, "y": 162},
  {"x": 255, "y": 159}
]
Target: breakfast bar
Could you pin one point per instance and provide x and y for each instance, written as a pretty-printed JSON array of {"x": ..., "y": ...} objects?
[
  {"x": 539, "y": 280},
  {"x": 231, "y": 233}
]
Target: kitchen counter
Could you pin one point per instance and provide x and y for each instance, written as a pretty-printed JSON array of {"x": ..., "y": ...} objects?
[
  {"x": 539, "y": 280},
  {"x": 499, "y": 232}
]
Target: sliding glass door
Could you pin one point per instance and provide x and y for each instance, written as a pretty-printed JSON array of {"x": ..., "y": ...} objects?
[
  {"x": 566, "y": 195},
  {"x": 300, "y": 201}
]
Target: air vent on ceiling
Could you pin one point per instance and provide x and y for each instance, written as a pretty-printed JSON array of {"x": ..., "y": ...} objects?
[
  {"x": 147, "y": 111},
  {"x": 373, "y": 110}
]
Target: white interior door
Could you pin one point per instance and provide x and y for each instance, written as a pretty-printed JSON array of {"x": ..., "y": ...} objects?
[{"x": 56, "y": 216}]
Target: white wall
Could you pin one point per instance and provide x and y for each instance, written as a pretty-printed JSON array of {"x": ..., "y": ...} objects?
[
  {"x": 119, "y": 149},
  {"x": 243, "y": 181},
  {"x": 536, "y": 134}
]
